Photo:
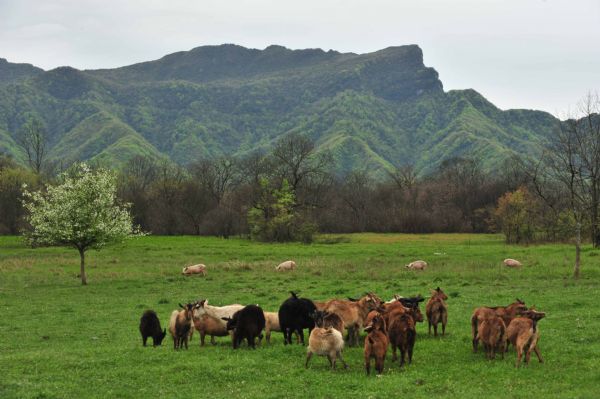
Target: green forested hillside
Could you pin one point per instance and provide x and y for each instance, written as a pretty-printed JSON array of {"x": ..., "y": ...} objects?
[
  {"x": 11, "y": 72},
  {"x": 373, "y": 111}
]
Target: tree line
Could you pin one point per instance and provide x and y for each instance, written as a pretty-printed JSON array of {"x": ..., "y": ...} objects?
[{"x": 292, "y": 191}]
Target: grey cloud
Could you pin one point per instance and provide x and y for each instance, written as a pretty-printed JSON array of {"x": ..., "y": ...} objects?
[{"x": 518, "y": 53}]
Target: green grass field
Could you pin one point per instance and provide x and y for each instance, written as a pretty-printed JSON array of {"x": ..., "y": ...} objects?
[{"x": 61, "y": 339}]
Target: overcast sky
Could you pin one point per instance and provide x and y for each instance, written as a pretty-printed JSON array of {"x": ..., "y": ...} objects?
[{"x": 537, "y": 54}]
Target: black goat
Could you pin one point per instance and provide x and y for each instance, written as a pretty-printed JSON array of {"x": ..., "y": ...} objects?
[
  {"x": 295, "y": 315},
  {"x": 246, "y": 323},
  {"x": 150, "y": 327}
]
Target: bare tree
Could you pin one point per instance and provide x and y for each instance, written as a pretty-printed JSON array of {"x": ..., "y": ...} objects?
[
  {"x": 142, "y": 171},
  {"x": 585, "y": 129},
  {"x": 572, "y": 161},
  {"x": 535, "y": 176},
  {"x": 254, "y": 167},
  {"x": 166, "y": 195},
  {"x": 195, "y": 203},
  {"x": 356, "y": 192},
  {"x": 32, "y": 139},
  {"x": 297, "y": 160},
  {"x": 460, "y": 179},
  {"x": 134, "y": 184},
  {"x": 405, "y": 179},
  {"x": 214, "y": 175}
]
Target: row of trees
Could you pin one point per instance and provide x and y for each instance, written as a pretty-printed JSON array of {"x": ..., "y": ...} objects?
[
  {"x": 286, "y": 194},
  {"x": 275, "y": 201},
  {"x": 291, "y": 192}
]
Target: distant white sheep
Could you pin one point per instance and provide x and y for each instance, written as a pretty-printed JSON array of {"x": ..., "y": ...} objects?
[
  {"x": 285, "y": 266},
  {"x": 512, "y": 263},
  {"x": 195, "y": 269},
  {"x": 417, "y": 265}
]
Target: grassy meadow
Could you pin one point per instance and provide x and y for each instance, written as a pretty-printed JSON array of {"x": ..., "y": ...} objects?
[{"x": 61, "y": 339}]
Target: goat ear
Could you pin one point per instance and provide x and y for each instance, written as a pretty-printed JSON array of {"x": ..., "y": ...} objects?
[
  {"x": 438, "y": 289},
  {"x": 226, "y": 318},
  {"x": 181, "y": 306}
]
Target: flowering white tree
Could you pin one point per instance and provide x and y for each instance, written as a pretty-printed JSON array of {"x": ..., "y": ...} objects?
[{"x": 80, "y": 211}]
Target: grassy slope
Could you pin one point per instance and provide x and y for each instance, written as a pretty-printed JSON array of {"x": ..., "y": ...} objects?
[
  {"x": 60, "y": 339},
  {"x": 112, "y": 140}
]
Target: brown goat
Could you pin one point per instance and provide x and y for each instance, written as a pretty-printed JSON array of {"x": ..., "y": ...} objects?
[
  {"x": 210, "y": 325},
  {"x": 402, "y": 334},
  {"x": 404, "y": 305},
  {"x": 180, "y": 325},
  {"x": 353, "y": 313},
  {"x": 391, "y": 308},
  {"x": 371, "y": 315},
  {"x": 492, "y": 332},
  {"x": 507, "y": 313},
  {"x": 324, "y": 319},
  {"x": 437, "y": 311},
  {"x": 523, "y": 334},
  {"x": 376, "y": 343}
]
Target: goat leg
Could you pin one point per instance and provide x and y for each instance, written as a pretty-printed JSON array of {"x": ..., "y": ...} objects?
[{"x": 308, "y": 356}]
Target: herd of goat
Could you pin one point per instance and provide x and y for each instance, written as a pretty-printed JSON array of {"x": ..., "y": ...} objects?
[{"x": 387, "y": 324}]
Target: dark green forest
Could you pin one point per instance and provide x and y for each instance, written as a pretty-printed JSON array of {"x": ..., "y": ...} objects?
[{"x": 376, "y": 112}]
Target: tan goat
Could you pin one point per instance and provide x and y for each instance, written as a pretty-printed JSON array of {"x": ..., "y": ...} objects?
[
  {"x": 326, "y": 342},
  {"x": 180, "y": 325},
  {"x": 523, "y": 334},
  {"x": 492, "y": 332},
  {"x": 353, "y": 313},
  {"x": 507, "y": 313},
  {"x": 209, "y": 325},
  {"x": 437, "y": 311}
]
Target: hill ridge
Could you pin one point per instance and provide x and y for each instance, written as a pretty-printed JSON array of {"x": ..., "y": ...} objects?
[{"x": 389, "y": 108}]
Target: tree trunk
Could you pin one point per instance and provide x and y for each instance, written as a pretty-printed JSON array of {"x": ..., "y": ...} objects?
[
  {"x": 82, "y": 269},
  {"x": 595, "y": 232},
  {"x": 577, "y": 250},
  {"x": 595, "y": 227}
]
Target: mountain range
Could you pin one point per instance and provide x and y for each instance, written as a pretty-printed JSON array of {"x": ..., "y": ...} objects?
[{"x": 373, "y": 111}]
